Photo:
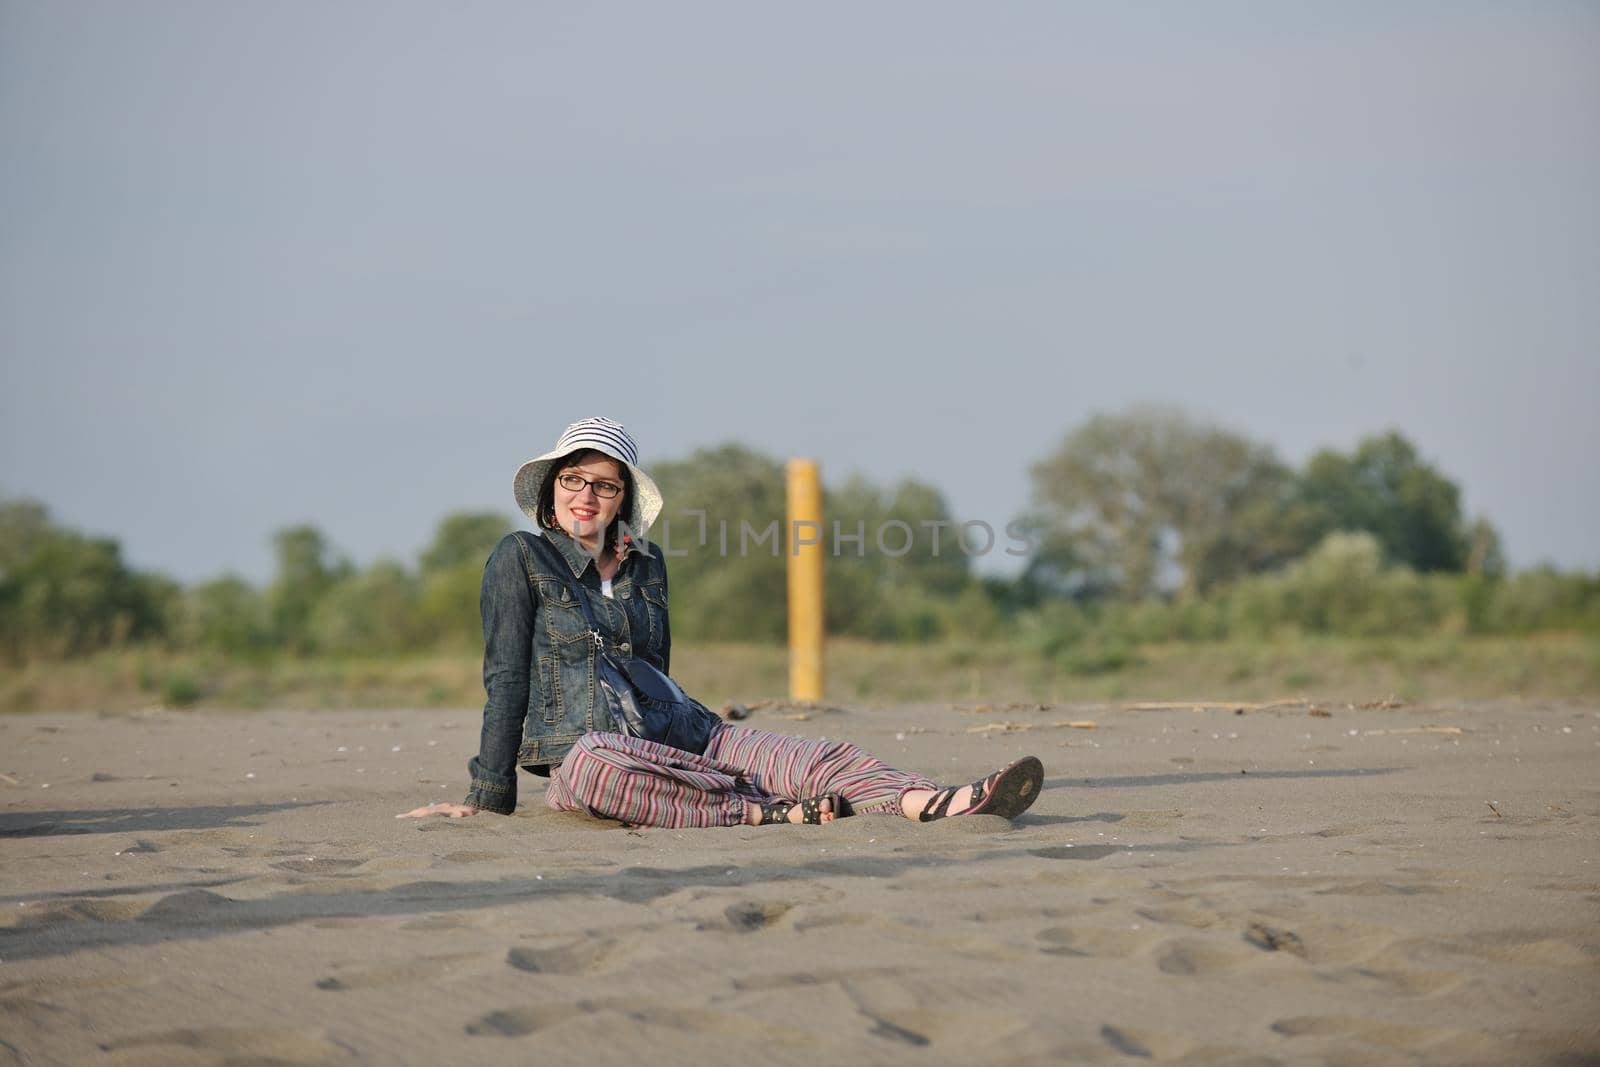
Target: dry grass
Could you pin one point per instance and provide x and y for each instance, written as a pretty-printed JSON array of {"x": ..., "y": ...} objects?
[{"x": 1544, "y": 667}]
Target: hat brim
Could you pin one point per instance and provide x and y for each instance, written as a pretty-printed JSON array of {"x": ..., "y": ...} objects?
[{"x": 644, "y": 502}]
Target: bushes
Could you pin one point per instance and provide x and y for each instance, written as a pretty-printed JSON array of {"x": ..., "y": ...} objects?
[
  {"x": 226, "y": 615},
  {"x": 1342, "y": 588},
  {"x": 371, "y": 611},
  {"x": 1540, "y": 599},
  {"x": 65, "y": 594}
]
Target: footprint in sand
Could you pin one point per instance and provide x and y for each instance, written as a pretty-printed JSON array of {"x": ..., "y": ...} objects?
[
  {"x": 519, "y": 1022},
  {"x": 1534, "y": 948},
  {"x": 408, "y": 972},
  {"x": 1274, "y": 939},
  {"x": 1180, "y": 915},
  {"x": 1359, "y": 956},
  {"x": 187, "y": 907},
  {"x": 462, "y": 858},
  {"x": 1151, "y": 820},
  {"x": 1399, "y": 981},
  {"x": 1142, "y": 1043},
  {"x": 789, "y": 980},
  {"x": 702, "y": 1023},
  {"x": 1440, "y": 1045},
  {"x": 437, "y": 922},
  {"x": 1095, "y": 941},
  {"x": 1392, "y": 1035},
  {"x": 751, "y": 915},
  {"x": 76, "y": 909},
  {"x": 1196, "y": 956},
  {"x": 241, "y": 1044},
  {"x": 40, "y": 1019},
  {"x": 883, "y": 1028},
  {"x": 1375, "y": 888},
  {"x": 567, "y": 957},
  {"x": 1074, "y": 852},
  {"x": 903, "y": 1012},
  {"x": 318, "y": 865}
]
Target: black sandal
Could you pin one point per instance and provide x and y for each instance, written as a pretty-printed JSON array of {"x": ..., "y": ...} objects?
[
  {"x": 1007, "y": 793},
  {"x": 810, "y": 810}
]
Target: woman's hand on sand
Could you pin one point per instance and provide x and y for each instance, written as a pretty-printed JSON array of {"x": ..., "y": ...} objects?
[{"x": 454, "y": 811}]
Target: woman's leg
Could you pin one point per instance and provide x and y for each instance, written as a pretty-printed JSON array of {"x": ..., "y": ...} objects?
[
  {"x": 1008, "y": 792},
  {"x": 794, "y": 768},
  {"x": 645, "y": 784}
]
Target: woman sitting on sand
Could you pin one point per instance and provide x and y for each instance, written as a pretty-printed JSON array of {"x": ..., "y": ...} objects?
[{"x": 591, "y": 504}]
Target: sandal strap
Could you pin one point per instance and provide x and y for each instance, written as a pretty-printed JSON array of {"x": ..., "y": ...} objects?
[
  {"x": 775, "y": 811},
  {"x": 938, "y": 805},
  {"x": 980, "y": 789},
  {"x": 810, "y": 809}
]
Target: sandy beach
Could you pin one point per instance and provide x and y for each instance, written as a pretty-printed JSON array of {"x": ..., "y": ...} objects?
[{"x": 1293, "y": 884}]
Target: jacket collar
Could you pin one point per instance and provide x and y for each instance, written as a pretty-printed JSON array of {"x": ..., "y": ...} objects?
[
  {"x": 574, "y": 553},
  {"x": 570, "y": 550}
]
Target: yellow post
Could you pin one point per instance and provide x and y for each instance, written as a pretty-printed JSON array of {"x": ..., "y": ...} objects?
[{"x": 805, "y": 580}]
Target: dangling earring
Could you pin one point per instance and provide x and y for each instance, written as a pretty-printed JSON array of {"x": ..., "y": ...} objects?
[{"x": 547, "y": 519}]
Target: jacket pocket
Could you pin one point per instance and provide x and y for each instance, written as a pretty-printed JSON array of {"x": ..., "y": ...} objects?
[
  {"x": 655, "y": 605},
  {"x": 551, "y": 701},
  {"x": 563, "y": 617}
]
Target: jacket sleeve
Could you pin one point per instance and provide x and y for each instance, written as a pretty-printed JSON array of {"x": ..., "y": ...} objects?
[
  {"x": 506, "y": 605},
  {"x": 666, "y": 623}
]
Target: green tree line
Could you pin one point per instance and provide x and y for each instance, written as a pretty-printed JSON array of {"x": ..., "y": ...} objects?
[{"x": 1146, "y": 525}]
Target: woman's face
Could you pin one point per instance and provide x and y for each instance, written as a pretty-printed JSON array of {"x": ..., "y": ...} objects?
[{"x": 584, "y": 513}]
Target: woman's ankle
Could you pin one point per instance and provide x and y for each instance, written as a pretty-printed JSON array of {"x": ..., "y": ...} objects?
[{"x": 913, "y": 800}]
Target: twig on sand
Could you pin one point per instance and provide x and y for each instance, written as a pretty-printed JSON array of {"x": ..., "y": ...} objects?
[
  {"x": 985, "y": 709},
  {"x": 800, "y": 710},
  {"x": 735, "y": 710},
  {"x": 8, "y": 780},
  {"x": 1216, "y": 705},
  {"x": 1416, "y": 730},
  {"x": 1020, "y": 727},
  {"x": 1494, "y": 809},
  {"x": 1386, "y": 704}
]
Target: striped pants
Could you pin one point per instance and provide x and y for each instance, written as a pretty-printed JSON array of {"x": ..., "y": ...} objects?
[{"x": 646, "y": 784}]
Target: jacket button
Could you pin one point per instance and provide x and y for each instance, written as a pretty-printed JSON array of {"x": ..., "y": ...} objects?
[
  {"x": 626, "y": 593},
  {"x": 623, "y": 647}
]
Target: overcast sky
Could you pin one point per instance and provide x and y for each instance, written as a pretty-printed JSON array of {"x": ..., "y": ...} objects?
[{"x": 351, "y": 263}]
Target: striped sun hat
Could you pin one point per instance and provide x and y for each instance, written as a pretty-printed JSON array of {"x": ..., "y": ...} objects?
[{"x": 601, "y": 435}]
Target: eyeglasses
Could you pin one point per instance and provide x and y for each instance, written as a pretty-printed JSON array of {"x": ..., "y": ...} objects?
[{"x": 576, "y": 483}]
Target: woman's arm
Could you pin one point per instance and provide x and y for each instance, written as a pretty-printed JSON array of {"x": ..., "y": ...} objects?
[{"x": 506, "y": 605}]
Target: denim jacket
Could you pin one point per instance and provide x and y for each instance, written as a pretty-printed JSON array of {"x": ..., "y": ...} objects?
[{"x": 538, "y": 660}]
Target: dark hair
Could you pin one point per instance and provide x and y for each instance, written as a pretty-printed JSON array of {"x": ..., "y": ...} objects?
[{"x": 547, "y": 491}]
